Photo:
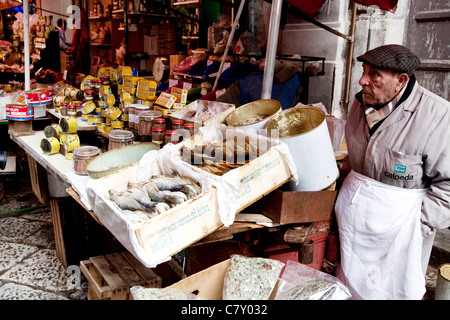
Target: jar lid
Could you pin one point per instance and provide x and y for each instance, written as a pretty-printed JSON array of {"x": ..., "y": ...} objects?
[
  {"x": 71, "y": 106},
  {"x": 175, "y": 121},
  {"x": 169, "y": 132},
  {"x": 158, "y": 129},
  {"x": 86, "y": 151},
  {"x": 64, "y": 103},
  {"x": 121, "y": 134},
  {"x": 89, "y": 91},
  {"x": 159, "y": 120},
  {"x": 141, "y": 107},
  {"x": 189, "y": 125},
  {"x": 149, "y": 115}
]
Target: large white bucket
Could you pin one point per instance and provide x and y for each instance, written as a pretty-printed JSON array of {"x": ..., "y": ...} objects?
[{"x": 305, "y": 131}]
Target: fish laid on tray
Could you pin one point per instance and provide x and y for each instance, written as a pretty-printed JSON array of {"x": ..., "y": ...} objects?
[
  {"x": 155, "y": 196},
  {"x": 220, "y": 157}
]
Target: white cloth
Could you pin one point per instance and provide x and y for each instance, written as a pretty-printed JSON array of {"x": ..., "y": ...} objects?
[{"x": 381, "y": 241}]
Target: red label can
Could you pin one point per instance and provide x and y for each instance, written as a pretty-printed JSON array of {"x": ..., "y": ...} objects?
[
  {"x": 39, "y": 97},
  {"x": 19, "y": 112}
]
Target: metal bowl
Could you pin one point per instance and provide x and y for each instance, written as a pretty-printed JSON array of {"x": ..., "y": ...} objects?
[
  {"x": 295, "y": 121},
  {"x": 116, "y": 159},
  {"x": 266, "y": 108}
]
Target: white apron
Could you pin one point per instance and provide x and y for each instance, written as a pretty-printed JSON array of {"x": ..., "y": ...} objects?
[{"x": 380, "y": 238}]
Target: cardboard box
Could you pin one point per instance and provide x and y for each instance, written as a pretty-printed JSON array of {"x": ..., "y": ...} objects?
[
  {"x": 208, "y": 283},
  {"x": 298, "y": 207},
  {"x": 166, "y": 100},
  {"x": 163, "y": 236},
  {"x": 180, "y": 94},
  {"x": 146, "y": 89}
]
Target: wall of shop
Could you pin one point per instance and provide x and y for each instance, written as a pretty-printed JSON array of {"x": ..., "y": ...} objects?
[
  {"x": 374, "y": 27},
  {"x": 59, "y": 7}
]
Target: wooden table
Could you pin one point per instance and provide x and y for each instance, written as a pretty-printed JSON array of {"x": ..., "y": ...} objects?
[{"x": 66, "y": 201}]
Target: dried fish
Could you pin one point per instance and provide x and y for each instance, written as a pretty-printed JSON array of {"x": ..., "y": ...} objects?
[
  {"x": 172, "y": 198},
  {"x": 155, "y": 196},
  {"x": 220, "y": 157},
  {"x": 177, "y": 183}
]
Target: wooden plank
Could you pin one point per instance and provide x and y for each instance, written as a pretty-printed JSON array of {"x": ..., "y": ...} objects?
[
  {"x": 76, "y": 197},
  {"x": 38, "y": 178},
  {"x": 114, "y": 282},
  {"x": 58, "y": 231},
  {"x": 126, "y": 272},
  {"x": 152, "y": 280}
]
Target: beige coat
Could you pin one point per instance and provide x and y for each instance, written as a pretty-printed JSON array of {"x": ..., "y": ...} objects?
[{"x": 410, "y": 149}]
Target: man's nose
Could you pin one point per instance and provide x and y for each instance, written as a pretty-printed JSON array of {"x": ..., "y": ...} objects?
[{"x": 364, "y": 80}]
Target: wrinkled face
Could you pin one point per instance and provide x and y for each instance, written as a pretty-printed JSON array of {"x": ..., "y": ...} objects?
[{"x": 379, "y": 86}]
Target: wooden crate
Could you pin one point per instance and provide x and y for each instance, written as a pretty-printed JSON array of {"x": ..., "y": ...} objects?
[
  {"x": 20, "y": 128},
  {"x": 110, "y": 277}
]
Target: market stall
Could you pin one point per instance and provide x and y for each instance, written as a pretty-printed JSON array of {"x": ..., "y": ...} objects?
[{"x": 198, "y": 155}]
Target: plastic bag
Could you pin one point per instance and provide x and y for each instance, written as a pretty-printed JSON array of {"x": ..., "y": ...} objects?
[
  {"x": 300, "y": 282},
  {"x": 141, "y": 293},
  {"x": 250, "y": 278}
]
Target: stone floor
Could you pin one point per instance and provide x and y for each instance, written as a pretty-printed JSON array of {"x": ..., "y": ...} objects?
[{"x": 29, "y": 268}]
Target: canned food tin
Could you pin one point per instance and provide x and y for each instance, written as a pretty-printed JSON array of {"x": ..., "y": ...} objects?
[
  {"x": 101, "y": 127},
  {"x": 113, "y": 113},
  {"x": 107, "y": 129},
  {"x": 94, "y": 119},
  {"x": 58, "y": 99},
  {"x": 50, "y": 146},
  {"x": 39, "y": 96},
  {"x": 84, "y": 117},
  {"x": 88, "y": 107},
  {"x": 117, "y": 124},
  {"x": 68, "y": 125},
  {"x": 109, "y": 99},
  {"x": 68, "y": 156},
  {"x": 20, "y": 112},
  {"x": 71, "y": 142}
]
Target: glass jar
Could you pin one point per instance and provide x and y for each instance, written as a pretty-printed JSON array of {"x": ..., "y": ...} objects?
[
  {"x": 138, "y": 109},
  {"x": 89, "y": 94},
  {"x": 63, "y": 109},
  {"x": 190, "y": 127},
  {"x": 105, "y": 79},
  {"x": 81, "y": 157},
  {"x": 131, "y": 115},
  {"x": 71, "y": 110},
  {"x": 96, "y": 83},
  {"x": 177, "y": 124},
  {"x": 146, "y": 121},
  {"x": 158, "y": 135},
  {"x": 171, "y": 136},
  {"x": 159, "y": 122},
  {"x": 78, "y": 106},
  {"x": 120, "y": 138}
]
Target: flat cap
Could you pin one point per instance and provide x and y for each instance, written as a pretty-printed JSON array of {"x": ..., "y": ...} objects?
[{"x": 391, "y": 57}]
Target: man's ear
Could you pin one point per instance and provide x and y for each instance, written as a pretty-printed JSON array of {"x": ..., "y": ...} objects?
[{"x": 402, "y": 78}]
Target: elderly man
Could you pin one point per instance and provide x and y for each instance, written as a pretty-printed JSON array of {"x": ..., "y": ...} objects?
[{"x": 397, "y": 191}]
